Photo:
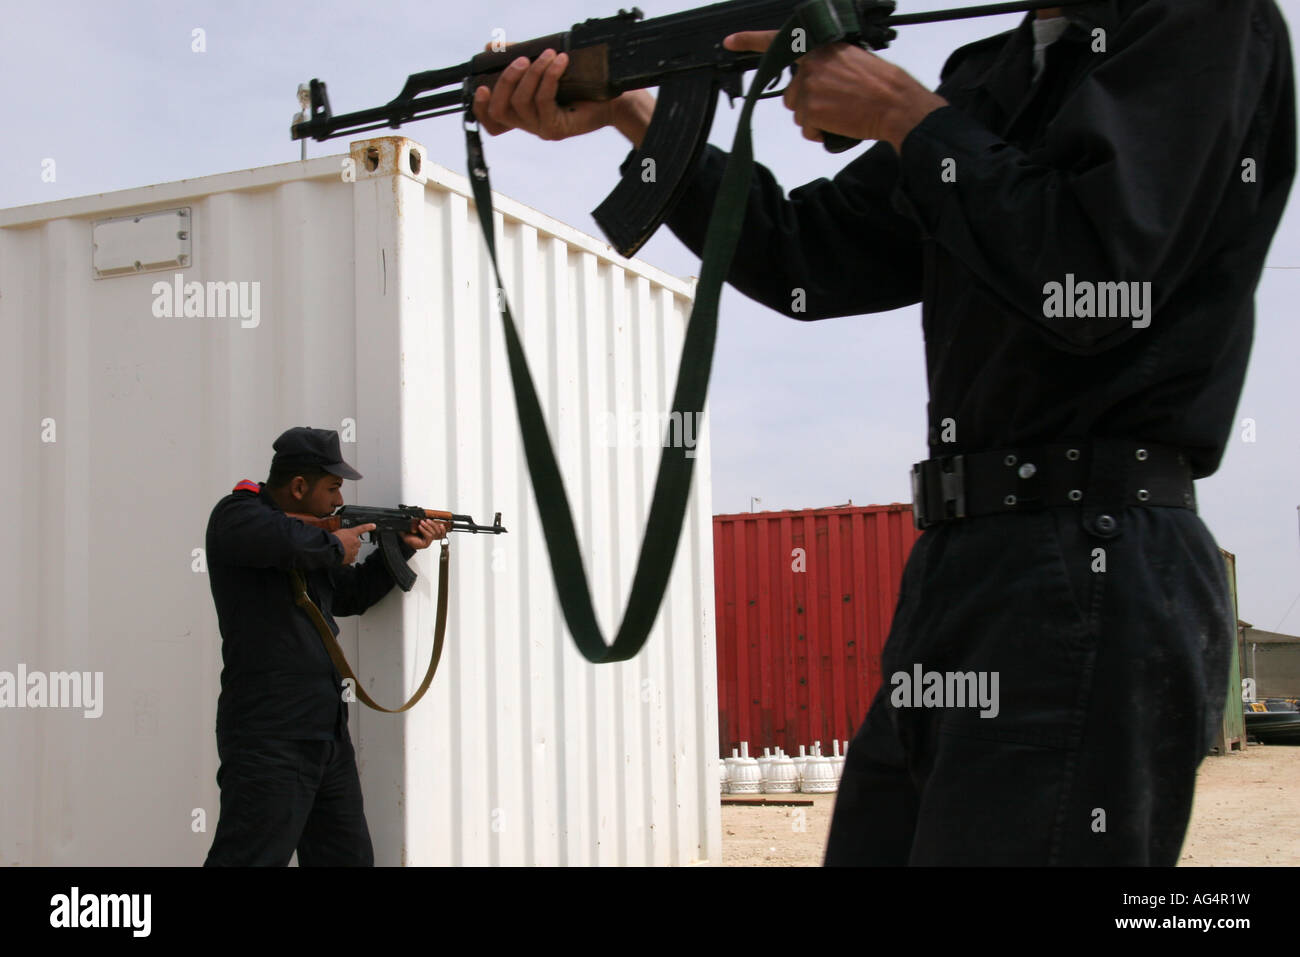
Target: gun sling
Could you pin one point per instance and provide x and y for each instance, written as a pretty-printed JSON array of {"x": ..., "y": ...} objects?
[
  {"x": 673, "y": 485},
  {"x": 818, "y": 22},
  {"x": 304, "y": 602}
]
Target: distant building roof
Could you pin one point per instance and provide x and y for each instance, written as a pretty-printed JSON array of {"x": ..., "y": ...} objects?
[{"x": 1268, "y": 637}]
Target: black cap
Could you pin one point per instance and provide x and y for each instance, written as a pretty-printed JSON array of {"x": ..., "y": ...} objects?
[{"x": 302, "y": 446}]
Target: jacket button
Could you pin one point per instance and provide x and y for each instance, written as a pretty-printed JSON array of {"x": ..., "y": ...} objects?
[{"x": 1105, "y": 524}]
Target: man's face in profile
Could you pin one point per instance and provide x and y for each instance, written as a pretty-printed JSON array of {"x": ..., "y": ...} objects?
[{"x": 320, "y": 498}]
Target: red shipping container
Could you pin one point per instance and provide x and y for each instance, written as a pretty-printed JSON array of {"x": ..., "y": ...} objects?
[{"x": 804, "y": 601}]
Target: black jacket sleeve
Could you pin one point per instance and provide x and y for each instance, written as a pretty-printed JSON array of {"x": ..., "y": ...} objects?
[
  {"x": 357, "y": 587},
  {"x": 243, "y": 531},
  {"x": 835, "y": 247},
  {"x": 1135, "y": 162}
]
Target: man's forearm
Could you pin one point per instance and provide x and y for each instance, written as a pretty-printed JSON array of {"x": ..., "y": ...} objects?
[
  {"x": 357, "y": 587},
  {"x": 907, "y": 115}
]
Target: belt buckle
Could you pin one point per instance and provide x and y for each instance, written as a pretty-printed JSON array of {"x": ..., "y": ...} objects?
[
  {"x": 948, "y": 491},
  {"x": 919, "y": 517}
]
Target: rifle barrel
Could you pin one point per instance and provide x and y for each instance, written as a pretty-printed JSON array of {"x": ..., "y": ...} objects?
[
  {"x": 986, "y": 10},
  {"x": 390, "y": 114}
]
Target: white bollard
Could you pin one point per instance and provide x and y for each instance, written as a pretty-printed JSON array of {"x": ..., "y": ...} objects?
[
  {"x": 800, "y": 762},
  {"x": 818, "y": 773},
  {"x": 744, "y": 776},
  {"x": 729, "y": 763},
  {"x": 780, "y": 775}
]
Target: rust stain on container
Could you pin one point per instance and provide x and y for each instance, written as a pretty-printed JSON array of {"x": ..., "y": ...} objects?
[{"x": 804, "y": 600}]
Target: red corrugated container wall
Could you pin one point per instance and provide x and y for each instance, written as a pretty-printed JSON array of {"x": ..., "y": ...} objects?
[{"x": 800, "y": 632}]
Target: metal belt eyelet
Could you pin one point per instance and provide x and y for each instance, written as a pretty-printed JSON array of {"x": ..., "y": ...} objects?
[
  {"x": 1143, "y": 495},
  {"x": 1075, "y": 495},
  {"x": 1141, "y": 455},
  {"x": 1009, "y": 500},
  {"x": 1009, "y": 461},
  {"x": 1072, "y": 455}
]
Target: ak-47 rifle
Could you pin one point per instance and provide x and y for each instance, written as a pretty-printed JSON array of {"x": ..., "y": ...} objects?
[
  {"x": 390, "y": 523},
  {"x": 682, "y": 54}
]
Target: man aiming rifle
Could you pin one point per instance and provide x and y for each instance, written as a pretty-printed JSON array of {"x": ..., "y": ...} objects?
[
  {"x": 288, "y": 774},
  {"x": 1147, "y": 148}
]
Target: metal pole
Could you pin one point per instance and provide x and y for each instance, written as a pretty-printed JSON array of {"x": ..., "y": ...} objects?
[{"x": 304, "y": 103}]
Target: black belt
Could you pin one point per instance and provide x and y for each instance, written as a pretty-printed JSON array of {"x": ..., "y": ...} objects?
[{"x": 1094, "y": 474}]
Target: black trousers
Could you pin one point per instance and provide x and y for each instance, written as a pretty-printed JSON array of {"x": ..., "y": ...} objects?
[
  {"x": 280, "y": 795},
  {"x": 1111, "y": 688}
]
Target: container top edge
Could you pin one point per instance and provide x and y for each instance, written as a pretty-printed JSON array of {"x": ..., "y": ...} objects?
[
  {"x": 318, "y": 168},
  {"x": 820, "y": 510},
  {"x": 94, "y": 204}
]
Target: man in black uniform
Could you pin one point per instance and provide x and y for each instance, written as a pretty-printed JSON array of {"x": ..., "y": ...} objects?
[
  {"x": 1083, "y": 209},
  {"x": 288, "y": 773}
]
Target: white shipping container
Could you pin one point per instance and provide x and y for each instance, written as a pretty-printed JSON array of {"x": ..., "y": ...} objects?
[{"x": 366, "y": 306}]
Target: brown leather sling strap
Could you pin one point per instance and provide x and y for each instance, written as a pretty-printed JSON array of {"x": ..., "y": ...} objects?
[{"x": 336, "y": 653}]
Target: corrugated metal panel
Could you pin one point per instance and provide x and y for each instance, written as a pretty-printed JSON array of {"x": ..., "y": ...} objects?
[
  {"x": 376, "y": 307},
  {"x": 804, "y": 603}
]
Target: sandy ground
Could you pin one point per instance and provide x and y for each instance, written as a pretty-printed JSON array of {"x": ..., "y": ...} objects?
[{"x": 1247, "y": 813}]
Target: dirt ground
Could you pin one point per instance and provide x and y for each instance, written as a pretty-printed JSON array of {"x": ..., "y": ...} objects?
[{"x": 1247, "y": 813}]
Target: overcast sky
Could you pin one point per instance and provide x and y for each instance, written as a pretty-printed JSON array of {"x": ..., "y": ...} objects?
[{"x": 803, "y": 414}]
